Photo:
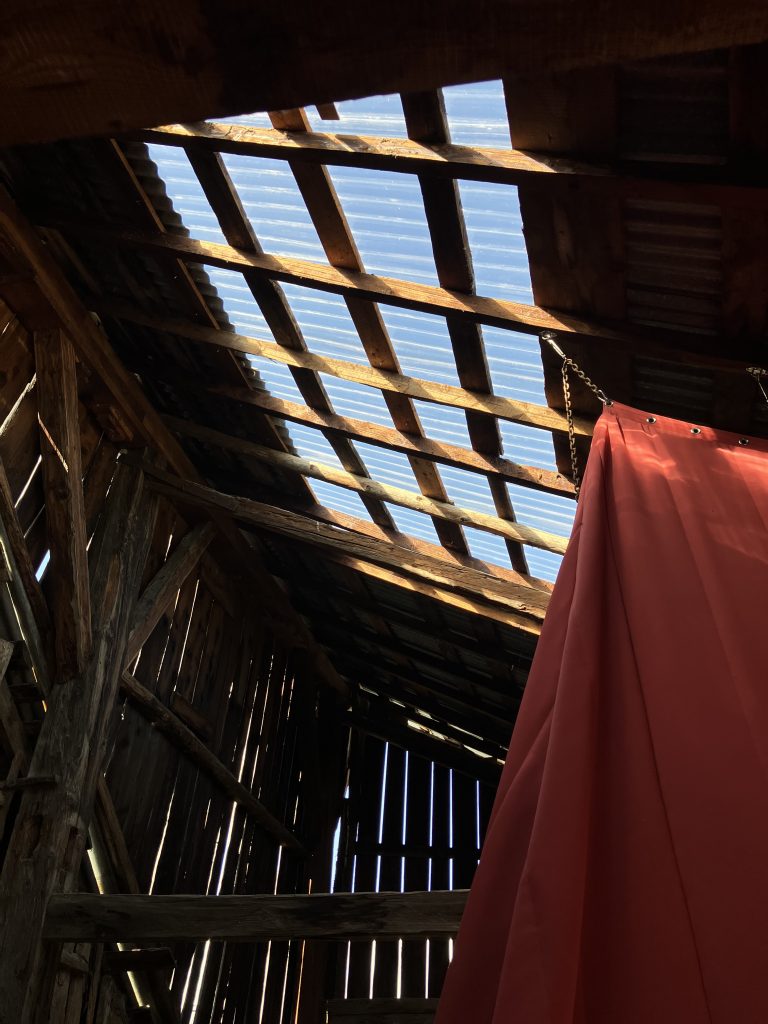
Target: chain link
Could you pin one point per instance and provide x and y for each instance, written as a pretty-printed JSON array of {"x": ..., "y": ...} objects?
[
  {"x": 757, "y": 373},
  {"x": 569, "y": 364}
]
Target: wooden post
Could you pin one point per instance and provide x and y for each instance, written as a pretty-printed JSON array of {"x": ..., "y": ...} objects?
[
  {"x": 64, "y": 506},
  {"x": 48, "y": 840}
]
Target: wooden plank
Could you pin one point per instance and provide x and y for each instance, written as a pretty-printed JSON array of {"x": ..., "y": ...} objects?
[
  {"x": 70, "y": 70},
  {"x": 383, "y": 437},
  {"x": 165, "y": 585},
  {"x": 408, "y": 499},
  {"x": 64, "y": 504},
  {"x": 392, "y": 291},
  {"x": 50, "y": 830},
  {"x": 183, "y": 738},
  {"x": 440, "y": 594},
  {"x": 441, "y": 160},
  {"x": 523, "y": 598},
  {"x": 527, "y": 413}
]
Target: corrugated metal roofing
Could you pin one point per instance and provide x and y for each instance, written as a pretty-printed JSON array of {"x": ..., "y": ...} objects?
[{"x": 386, "y": 215}]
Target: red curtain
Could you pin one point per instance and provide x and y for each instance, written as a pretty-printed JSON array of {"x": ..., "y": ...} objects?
[{"x": 624, "y": 877}]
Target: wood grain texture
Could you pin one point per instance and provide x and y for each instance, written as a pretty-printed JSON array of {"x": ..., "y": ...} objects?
[
  {"x": 252, "y": 918},
  {"x": 80, "y": 67},
  {"x": 58, "y": 411},
  {"x": 49, "y": 835},
  {"x": 383, "y": 437},
  {"x": 183, "y": 737}
]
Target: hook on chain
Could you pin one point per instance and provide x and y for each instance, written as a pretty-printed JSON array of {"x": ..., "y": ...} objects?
[{"x": 550, "y": 337}]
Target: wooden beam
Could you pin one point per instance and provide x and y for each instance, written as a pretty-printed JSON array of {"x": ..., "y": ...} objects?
[
  {"x": 161, "y": 590},
  {"x": 185, "y": 740},
  {"x": 383, "y": 437},
  {"x": 529, "y": 601},
  {"x": 436, "y": 159},
  {"x": 135, "y": 409},
  {"x": 531, "y": 415},
  {"x": 49, "y": 835},
  {"x": 392, "y": 291},
  {"x": 82, "y": 917},
  {"x": 58, "y": 420},
  {"x": 441, "y": 594},
  {"x": 71, "y": 70},
  {"x": 404, "y": 498}
]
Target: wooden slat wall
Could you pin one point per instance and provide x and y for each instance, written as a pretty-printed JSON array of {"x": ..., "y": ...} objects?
[{"x": 408, "y": 825}]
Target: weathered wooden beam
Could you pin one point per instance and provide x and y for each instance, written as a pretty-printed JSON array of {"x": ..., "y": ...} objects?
[
  {"x": 528, "y": 413},
  {"x": 383, "y": 437},
  {"x": 525, "y": 599},
  {"x": 392, "y": 291},
  {"x": 460, "y": 601},
  {"x": 408, "y": 499},
  {"x": 83, "y": 917},
  {"x": 49, "y": 835},
  {"x": 70, "y": 70},
  {"x": 58, "y": 420},
  {"x": 438, "y": 159},
  {"x": 161, "y": 590},
  {"x": 185, "y": 740}
]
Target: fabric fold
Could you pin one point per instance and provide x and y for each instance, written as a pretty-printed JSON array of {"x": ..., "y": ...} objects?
[{"x": 623, "y": 877}]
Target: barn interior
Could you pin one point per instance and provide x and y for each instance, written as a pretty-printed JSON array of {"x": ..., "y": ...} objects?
[{"x": 288, "y": 464}]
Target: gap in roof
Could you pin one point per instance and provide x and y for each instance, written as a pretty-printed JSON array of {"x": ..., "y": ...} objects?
[
  {"x": 551, "y": 512},
  {"x": 275, "y": 207},
  {"x": 544, "y": 565},
  {"x": 386, "y": 214},
  {"x": 477, "y": 114},
  {"x": 495, "y": 234}
]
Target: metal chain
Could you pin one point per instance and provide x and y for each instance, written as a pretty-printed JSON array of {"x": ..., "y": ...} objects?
[
  {"x": 757, "y": 372},
  {"x": 571, "y": 433},
  {"x": 569, "y": 364}
]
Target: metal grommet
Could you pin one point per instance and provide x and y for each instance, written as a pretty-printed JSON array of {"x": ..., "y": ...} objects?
[
  {"x": 743, "y": 441},
  {"x": 650, "y": 419},
  {"x": 695, "y": 430}
]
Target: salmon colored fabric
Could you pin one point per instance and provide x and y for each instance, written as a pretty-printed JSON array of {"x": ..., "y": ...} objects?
[{"x": 624, "y": 877}]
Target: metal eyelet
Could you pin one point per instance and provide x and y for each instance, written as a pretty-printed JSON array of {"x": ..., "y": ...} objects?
[
  {"x": 695, "y": 430},
  {"x": 743, "y": 441},
  {"x": 650, "y": 419}
]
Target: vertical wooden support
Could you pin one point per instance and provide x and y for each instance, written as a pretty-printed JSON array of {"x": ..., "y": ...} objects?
[
  {"x": 48, "y": 840},
  {"x": 63, "y": 480}
]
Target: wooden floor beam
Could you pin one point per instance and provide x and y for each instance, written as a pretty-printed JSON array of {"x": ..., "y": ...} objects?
[{"x": 83, "y": 917}]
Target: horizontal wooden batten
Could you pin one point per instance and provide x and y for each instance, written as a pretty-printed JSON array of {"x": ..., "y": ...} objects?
[
  {"x": 527, "y": 413},
  {"x": 82, "y": 917},
  {"x": 458, "y": 601},
  {"x": 530, "y": 601},
  {"x": 468, "y": 163},
  {"x": 391, "y": 291},
  {"x": 545, "y": 480},
  {"x": 396, "y": 495}
]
